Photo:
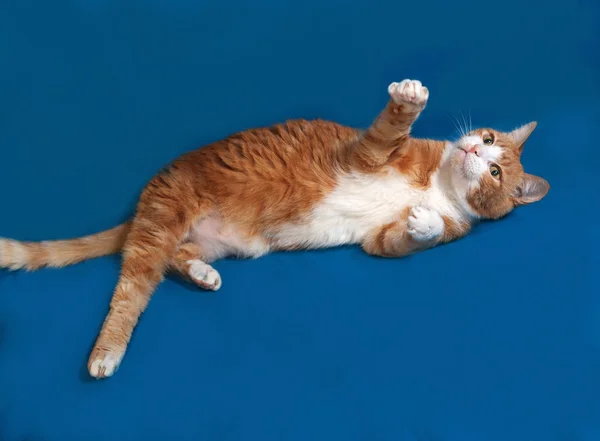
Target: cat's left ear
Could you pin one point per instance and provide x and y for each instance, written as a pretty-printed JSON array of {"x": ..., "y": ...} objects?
[
  {"x": 531, "y": 189},
  {"x": 520, "y": 135}
]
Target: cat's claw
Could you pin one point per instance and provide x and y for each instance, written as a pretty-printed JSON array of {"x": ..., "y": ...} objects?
[
  {"x": 424, "y": 224},
  {"x": 204, "y": 275},
  {"x": 410, "y": 92}
]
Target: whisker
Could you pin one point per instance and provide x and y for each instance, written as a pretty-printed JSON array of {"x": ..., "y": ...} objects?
[
  {"x": 470, "y": 122},
  {"x": 460, "y": 125},
  {"x": 465, "y": 122},
  {"x": 455, "y": 123}
]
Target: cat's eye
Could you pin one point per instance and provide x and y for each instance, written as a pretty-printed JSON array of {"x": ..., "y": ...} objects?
[
  {"x": 488, "y": 140},
  {"x": 495, "y": 171}
]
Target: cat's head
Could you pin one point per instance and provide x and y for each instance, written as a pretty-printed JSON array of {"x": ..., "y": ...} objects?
[{"x": 487, "y": 165}]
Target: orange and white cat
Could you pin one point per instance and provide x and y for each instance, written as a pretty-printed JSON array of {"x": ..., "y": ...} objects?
[{"x": 298, "y": 185}]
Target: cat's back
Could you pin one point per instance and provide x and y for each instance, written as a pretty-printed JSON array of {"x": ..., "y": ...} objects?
[
  {"x": 300, "y": 141},
  {"x": 296, "y": 135},
  {"x": 270, "y": 173},
  {"x": 308, "y": 151}
]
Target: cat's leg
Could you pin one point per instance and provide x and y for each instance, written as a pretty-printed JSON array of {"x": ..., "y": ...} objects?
[
  {"x": 164, "y": 216},
  {"x": 190, "y": 262},
  {"x": 145, "y": 256},
  {"x": 392, "y": 127},
  {"x": 422, "y": 228}
]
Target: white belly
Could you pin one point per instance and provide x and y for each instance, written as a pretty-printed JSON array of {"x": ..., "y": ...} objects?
[
  {"x": 357, "y": 205},
  {"x": 218, "y": 239}
]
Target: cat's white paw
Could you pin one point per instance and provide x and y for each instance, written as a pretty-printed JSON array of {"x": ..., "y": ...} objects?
[
  {"x": 410, "y": 92},
  {"x": 204, "y": 275},
  {"x": 424, "y": 224},
  {"x": 104, "y": 363}
]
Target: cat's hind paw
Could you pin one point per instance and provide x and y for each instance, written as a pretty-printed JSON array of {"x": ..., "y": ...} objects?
[
  {"x": 104, "y": 363},
  {"x": 204, "y": 275}
]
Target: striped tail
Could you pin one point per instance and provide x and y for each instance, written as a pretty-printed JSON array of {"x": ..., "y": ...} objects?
[{"x": 58, "y": 253}]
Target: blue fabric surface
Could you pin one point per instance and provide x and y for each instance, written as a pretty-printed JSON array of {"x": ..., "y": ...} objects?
[{"x": 494, "y": 337}]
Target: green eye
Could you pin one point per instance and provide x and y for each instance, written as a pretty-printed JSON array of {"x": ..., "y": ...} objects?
[
  {"x": 495, "y": 171},
  {"x": 488, "y": 140}
]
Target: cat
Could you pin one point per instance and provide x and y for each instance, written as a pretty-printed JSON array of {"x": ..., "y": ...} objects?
[{"x": 297, "y": 185}]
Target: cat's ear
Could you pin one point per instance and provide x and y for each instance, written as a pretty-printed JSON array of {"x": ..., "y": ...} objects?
[
  {"x": 531, "y": 189},
  {"x": 520, "y": 135}
]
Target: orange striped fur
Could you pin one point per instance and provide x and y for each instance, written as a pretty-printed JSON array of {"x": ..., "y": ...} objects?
[{"x": 298, "y": 185}]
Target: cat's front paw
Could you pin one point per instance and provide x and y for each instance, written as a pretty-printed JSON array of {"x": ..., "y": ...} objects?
[
  {"x": 424, "y": 224},
  {"x": 409, "y": 92}
]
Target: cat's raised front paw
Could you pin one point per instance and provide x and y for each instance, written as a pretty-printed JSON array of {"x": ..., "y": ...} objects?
[
  {"x": 410, "y": 92},
  {"x": 424, "y": 224}
]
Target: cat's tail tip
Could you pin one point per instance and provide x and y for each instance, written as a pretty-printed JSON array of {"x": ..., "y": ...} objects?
[{"x": 31, "y": 256}]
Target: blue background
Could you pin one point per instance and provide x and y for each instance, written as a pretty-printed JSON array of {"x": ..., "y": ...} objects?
[{"x": 494, "y": 337}]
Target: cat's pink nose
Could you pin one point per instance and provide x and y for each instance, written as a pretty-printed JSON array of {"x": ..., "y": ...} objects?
[{"x": 473, "y": 149}]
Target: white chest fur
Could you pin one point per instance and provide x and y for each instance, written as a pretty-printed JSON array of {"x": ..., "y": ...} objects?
[{"x": 359, "y": 204}]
